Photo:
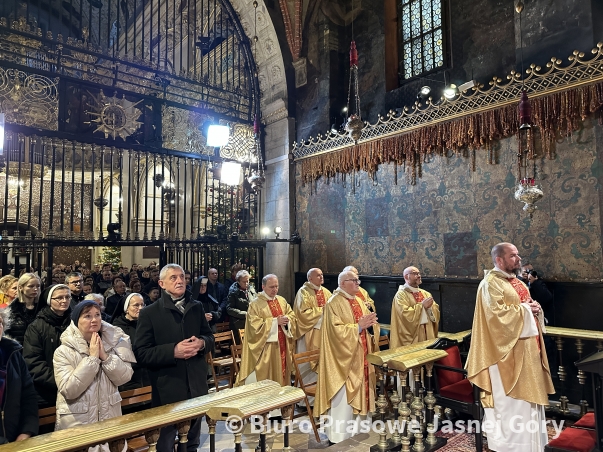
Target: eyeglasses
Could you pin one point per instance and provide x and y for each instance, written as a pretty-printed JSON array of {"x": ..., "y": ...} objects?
[
  {"x": 77, "y": 282},
  {"x": 65, "y": 298},
  {"x": 355, "y": 281},
  {"x": 137, "y": 306}
]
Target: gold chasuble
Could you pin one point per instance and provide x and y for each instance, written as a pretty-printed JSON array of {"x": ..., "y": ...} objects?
[
  {"x": 495, "y": 339},
  {"x": 270, "y": 360},
  {"x": 343, "y": 353},
  {"x": 363, "y": 296},
  {"x": 308, "y": 306},
  {"x": 410, "y": 323},
  {"x": 366, "y": 298}
]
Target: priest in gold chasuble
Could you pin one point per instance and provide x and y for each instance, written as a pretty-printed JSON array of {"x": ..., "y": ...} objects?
[
  {"x": 346, "y": 381},
  {"x": 310, "y": 300},
  {"x": 363, "y": 296},
  {"x": 415, "y": 316},
  {"x": 361, "y": 293},
  {"x": 507, "y": 358},
  {"x": 269, "y": 330}
]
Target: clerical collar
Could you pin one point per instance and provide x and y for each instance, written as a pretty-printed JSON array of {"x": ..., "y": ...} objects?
[
  {"x": 412, "y": 289},
  {"x": 313, "y": 286},
  {"x": 267, "y": 297},
  {"x": 345, "y": 294},
  {"x": 505, "y": 274}
]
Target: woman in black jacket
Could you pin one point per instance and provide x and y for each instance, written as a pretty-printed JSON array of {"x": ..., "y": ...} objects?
[
  {"x": 24, "y": 308},
  {"x": 17, "y": 392},
  {"x": 239, "y": 297},
  {"x": 126, "y": 317},
  {"x": 43, "y": 337}
]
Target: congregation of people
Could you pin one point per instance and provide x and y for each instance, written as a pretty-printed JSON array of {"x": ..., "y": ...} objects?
[{"x": 91, "y": 334}]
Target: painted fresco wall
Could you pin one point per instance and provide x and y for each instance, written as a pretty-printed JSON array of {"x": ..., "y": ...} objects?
[{"x": 448, "y": 222}]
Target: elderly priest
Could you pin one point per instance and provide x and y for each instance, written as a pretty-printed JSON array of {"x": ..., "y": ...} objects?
[
  {"x": 310, "y": 300},
  {"x": 346, "y": 381},
  {"x": 268, "y": 345}
]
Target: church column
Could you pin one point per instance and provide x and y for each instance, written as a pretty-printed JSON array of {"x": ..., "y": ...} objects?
[{"x": 277, "y": 195}]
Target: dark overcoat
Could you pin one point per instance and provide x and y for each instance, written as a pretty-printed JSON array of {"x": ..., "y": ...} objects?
[{"x": 160, "y": 327}]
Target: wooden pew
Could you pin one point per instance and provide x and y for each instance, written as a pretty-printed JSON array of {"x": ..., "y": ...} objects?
[
  {"x": 130, "y": 397},
  {"x": 149, "y": 421}
]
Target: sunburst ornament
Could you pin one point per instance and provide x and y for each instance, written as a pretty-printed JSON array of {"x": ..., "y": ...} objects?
[{"x": 115, "y": 117}]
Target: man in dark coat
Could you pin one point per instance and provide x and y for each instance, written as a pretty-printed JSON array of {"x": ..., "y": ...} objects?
[
  {"x": 172, "y": 338},
  {"x": 42, "y": 338},
  {"x": 540, "y": 292},
  {"x": 118, "y": 297},
  {"x": 217, "y": 292}
]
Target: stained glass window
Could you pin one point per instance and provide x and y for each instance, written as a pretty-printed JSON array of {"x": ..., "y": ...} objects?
[{"x": 421, "y": 30}]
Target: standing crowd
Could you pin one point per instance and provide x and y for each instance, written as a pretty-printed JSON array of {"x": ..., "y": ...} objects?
[{"x": 77, "y": 350}]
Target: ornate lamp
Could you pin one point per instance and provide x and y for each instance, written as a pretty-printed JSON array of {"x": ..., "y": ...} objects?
[
  {"x": 256, "y": 177},
  {"x": 354, "y": 124},
  {"x": 527, "y": 191}
]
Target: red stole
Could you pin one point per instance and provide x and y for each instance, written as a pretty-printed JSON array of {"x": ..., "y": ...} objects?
[
  {"x": 520, "y": 288},
  {"x": 361, "y": 296},
  {"x": 275, "y": 309},
  {"x": 320, "y": 298},
  {"x": 357, "y": 311},
  {"x": 524, "y": 295},
  {"x": 419, "y": 297}
]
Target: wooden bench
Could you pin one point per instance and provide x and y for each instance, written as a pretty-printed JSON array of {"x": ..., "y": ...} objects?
[
  {"x": 134, "y": 396},
  {"x": 130, "y": 397}
]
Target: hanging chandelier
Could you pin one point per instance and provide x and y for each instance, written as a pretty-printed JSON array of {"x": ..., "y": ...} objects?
[
  {"x": 527, "y": 191},
  {"x": 256, "y": 177},
  {"x": 354, "y": 124}
]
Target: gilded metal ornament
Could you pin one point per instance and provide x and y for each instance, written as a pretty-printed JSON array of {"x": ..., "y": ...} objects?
[
  {"x": 528, "y": 194},
  {"x": 115, "y": 117},
  {"x": 241, "y": 144},
  {"x": 354, "y": 126},
  {"x": 182, "y": 131},
  {"x": 256, "y": 180},
  {"x": 29, "y": 99}
]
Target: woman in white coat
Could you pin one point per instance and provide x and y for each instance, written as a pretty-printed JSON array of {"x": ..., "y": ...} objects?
[{"x": 94, "y": 358}]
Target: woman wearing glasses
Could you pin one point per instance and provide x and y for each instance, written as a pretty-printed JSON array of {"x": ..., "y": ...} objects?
[
  {"x": 43, "y": 337},
  {"x": 126, "y": 317}
]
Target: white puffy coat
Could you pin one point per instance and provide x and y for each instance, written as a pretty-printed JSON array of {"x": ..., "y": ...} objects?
[{"x": 87, "y": 387}]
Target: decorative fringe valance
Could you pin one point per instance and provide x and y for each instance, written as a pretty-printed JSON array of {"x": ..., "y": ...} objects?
[{"x": 555, "y": 116}]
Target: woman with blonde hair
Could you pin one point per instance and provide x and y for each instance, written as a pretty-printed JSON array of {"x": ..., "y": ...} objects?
[
  {"x": 8, "y": 290},
  {"x": 24, "y": 309}
]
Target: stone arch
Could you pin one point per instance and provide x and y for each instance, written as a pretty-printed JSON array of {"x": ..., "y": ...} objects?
[{"x": 267, "y": 55}]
